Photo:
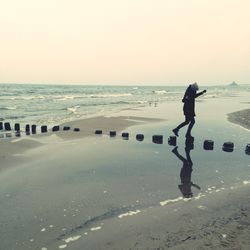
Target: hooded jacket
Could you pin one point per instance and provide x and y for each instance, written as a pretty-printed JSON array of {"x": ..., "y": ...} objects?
[{"x": 189, "y": 101}]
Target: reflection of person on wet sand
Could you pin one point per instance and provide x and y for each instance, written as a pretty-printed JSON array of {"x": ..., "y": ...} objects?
[{"x": 186, "y": 173}]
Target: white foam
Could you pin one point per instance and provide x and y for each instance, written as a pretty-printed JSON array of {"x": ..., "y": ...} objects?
[
  {"x": 110, "y": 95},
  {"x": 163, "y": 203},
  {"x": 95, "y": 228},
  {"x": 224, "y": 235},
  {"x": 200, "y": 195},
  {"x": 246, "y": 182},
  {"x": 62, "y": 246},
  {"x": 160, "y": 92},
  {"x": 202, "y": 207},
  {"x": 71, "y": 239},
  {"x": 44, "y": 248},
  {"x": 130, "y": 213},
  {"x": 43, "y": 230}
]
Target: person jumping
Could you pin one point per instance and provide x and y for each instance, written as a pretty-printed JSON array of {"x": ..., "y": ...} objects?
[{"x": 189, "y": 109}]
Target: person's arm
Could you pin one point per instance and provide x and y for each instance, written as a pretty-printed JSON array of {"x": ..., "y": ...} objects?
[{"x": 201, "y": 93}]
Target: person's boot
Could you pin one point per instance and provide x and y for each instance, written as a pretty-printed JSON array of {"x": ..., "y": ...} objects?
[{"x": 175, "y": 131}]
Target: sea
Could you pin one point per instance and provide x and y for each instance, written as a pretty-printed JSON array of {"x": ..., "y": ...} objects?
[{"x": 55, "y": 104}]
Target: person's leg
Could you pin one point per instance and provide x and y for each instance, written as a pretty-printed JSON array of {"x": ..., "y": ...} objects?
[
  {"x": 175, "y": 130},
  {"x": 191, "y": 124}
]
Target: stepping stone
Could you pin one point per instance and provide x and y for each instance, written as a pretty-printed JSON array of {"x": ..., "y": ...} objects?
[
  {"x": 33, "y": 129},
  {"x": 27, "y": 128},
  {"x": 125, "y": 135},
  {"x": 172, "y": 140},
  {"x": 208, "y": 145},
  {"x": 7, "y": 126},
  {"x": 158, "y": 139},
  {"x": 247, "y": 149},
  {"x": 112, "y": 133},
  {"x": 98, "y": 132},
  {"x": 55, "y": 128},
  {"x": 44, "y": 129},
  {"x": 228, "y": 147},
  {"x": 17, "y": 127},
  {"x": 139, "y": 137}
]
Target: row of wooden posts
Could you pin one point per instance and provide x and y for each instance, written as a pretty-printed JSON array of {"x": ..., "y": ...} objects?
[
  {"x": 32, "y": 129},
  {"x": 158, "y": 139}
]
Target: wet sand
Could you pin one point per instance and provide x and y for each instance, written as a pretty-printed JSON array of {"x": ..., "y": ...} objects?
[
  {"x": 102, "y": 193},
  {"x": 221, "y": 220},
  {"x": 11, "y": 147},
  {"x": 241, "y": 118}
]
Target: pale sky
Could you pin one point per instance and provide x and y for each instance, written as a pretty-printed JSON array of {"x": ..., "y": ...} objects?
[{"x": 125, "y": 41}]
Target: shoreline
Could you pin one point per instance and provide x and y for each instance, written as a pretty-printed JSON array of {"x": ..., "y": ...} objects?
[
  {"x": 219, "y": 221},
  {"x": 241, "y": 117}
]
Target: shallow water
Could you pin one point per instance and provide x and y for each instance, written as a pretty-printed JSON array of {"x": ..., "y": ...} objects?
[
  {"x": 79, "y": 184},
  {"x": 68, "y": 193}
]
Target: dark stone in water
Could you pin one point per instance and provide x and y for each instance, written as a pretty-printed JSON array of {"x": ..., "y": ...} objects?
[
  {"x": 247, "y": 149},
  {"x": 98, "y": 132},
  {"x": 112, "y": 133},
  {"x": 76, "y": 129},
  {"x": 125, "y": 135},
  {"x": 44, "y": 129},
  {"x": 7, "y": 126},
  {"x": 55, "y": 128},
  {"x": 27, "y": 128},
  {"x": 139, "y": 137},
  {"x": 33, "y": 129},
  {"x": 1, "y": 125},
  {"x": 228, "y": 147},
  {"x": 172, "y": 140},
  {"x": 208, "y": 145},
  {"x": 158, "y": 139},
  {"x": 66, "y": 128},
  {"x": 17, "y": 127}
]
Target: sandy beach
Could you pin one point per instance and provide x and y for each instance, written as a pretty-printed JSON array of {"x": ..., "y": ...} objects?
[
  {"x": 76, "y": 190},
  {"x": 241, "y": 118}
]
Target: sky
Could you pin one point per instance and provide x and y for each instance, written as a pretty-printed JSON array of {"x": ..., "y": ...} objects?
[{"x": 147, "y": 42}]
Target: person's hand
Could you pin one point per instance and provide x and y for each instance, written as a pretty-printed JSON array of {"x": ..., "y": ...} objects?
[{"x": 204, "y": 91}]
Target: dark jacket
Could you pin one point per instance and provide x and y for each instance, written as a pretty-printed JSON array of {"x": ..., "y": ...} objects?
[{"x": 189, "y": 101}]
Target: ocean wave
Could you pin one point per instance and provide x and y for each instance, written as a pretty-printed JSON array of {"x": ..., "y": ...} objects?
[
  {"x": 26, "y": 98},
  {"x": 110, "y": 95},
  {"x": 73, "y": 109},
  {"x": 160, "y": 92},
  {"x": 8, "y": 108}
]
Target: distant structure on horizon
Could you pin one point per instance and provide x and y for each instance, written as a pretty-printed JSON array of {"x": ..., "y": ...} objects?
[{"x": 233, "y": 84}]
